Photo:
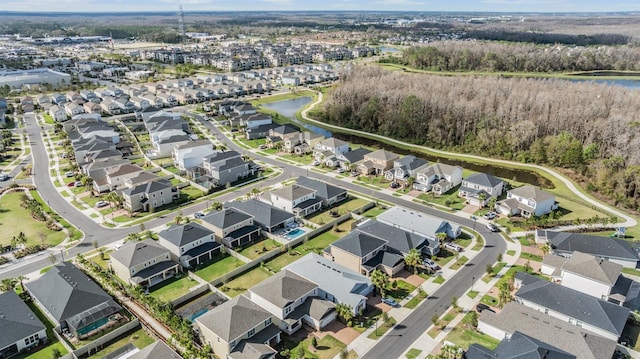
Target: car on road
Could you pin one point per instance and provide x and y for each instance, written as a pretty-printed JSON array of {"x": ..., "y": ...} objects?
[
  {"x": 490, "y": 215},
  {"x": 453, "y": 247},
  {"x": 198, "y": 214},
  {"x": 70, "y": 174},
  {"x": 492, "y": 227},
  {"x": 430, "y": 264},
  {"x": 391, "y": 302},
  {"x": 101, "y": 204},
  {"x": 4, "y": 177}
]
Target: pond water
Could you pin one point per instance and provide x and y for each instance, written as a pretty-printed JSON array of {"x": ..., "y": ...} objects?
[
  {"x": 288, "y": 108},
  {"x": 632, "y": 84},
  {"x": 384, "y": 49}
]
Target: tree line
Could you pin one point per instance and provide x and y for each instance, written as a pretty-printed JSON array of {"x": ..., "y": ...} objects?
[
  {"x": 494, "y": 56},
  {"x": 590, "y": 128},
  {"x": 539, "y": 37}
]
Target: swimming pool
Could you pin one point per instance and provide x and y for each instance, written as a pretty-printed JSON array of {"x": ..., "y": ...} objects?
[
  {"x": 198, "y": 313},
  {"x": 294, "y": 234}
]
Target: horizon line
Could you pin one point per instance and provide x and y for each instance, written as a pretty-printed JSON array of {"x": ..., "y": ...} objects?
[{"x": 630, "y": 12}]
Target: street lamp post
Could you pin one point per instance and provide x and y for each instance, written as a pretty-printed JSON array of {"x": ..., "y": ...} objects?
[{"x": 473, "y": 279}]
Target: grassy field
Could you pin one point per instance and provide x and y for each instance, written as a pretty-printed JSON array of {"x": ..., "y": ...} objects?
[
  {"x": 172, "y": 288},
  {"x": 245, "y": 281},
  {"x": 11, "y": 213},
  {"x": 138, "y": 338},
  {"x": 219, "y": 268}
]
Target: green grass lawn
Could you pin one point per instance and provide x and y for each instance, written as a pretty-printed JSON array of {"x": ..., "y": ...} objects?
[
  {"x": 489, "y": 300},
  {"x": 494, "y": 271},
  {"x": 258, "y": 249},
  {"x": 303, "y": 159},
  {"x": 173, "y": 288},
  {"x": 444, "y": 257},
  {"x": 374, "y": 212},
  {"x": 343, "y": 208},
  {"x": 245, "y": 281},
  {"x": 511, "y": 252},
  {"x": 413, "y": 302},
  {"x": 11, "y": 213},
  {"x": 315, "y": 244},
  {"x": 378, "y": 182},
  {"x": 379, "y": 332},
  {"x": 413, "y": 353},
  {"x": 138, "y": 338},
  {"x": 191, "y": 192},
  {"x": 531, "y": 257},
  {"x": 328, "y": 347},
  {"x": 439, "y": 280},
  {"x": 472, "y": 294},
  {"x": 101, "y": 260},
  {"x": 459, "y": 263},
  {"x": 449, "y": 199},
  {"x": 219, "y": 268},
  {"x": 464, "y": 335},
  {"x": 402, "y": 290}
]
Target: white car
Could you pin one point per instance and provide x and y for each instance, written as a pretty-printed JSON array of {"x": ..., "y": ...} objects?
[
  {"x": 198, "y": 214},
  {"x": 453, "y": 247},
  {"x": 430, "y": 264},
  {"x": 490, "y": 215},
  {"x": 492, "y": 227},
  {"x": 100, "y": 204},
  {"x": 340, "y": 170}
]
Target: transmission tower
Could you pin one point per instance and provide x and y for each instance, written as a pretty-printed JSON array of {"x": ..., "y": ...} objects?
[{"x": 181, "y": 24}]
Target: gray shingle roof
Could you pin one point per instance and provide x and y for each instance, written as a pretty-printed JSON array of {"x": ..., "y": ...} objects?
[
  {"x": 333, "y": 142},
  {"x": 356, "y": 155},
  {"x": 383, "y": 155},
  {"x": 149, "y": 187},
  {"x": 17, "y": 321},
  {"x": 283, "y": 288},
  {"x": 570, "y": 338},
  {"x": 591, "y": 267},
  {"x": 181, "y": 235},
  {"x": 594, "y": 245},
  {"x": 519, "y": 346},
  {"x": 264, "y": 214},
  {"x": 156, "y": 350},
  {"x": 483, "y": 179},
  {"x": 67, "y": 292},
  {"x": 323, "y": 189},
  {"x": 225, "y": 218},
  {"x": 532, "y": 192},
  {"x": 398, "y": 239},
  {"x": 359, "y": 243},
  {"x": 133, "y": 253},
  {"x": 575, "y": 304},
  {"x": 292, "y": 192},
  {"x": 233, "y": 318}
]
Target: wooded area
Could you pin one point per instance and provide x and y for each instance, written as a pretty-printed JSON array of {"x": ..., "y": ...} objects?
[
  {"x": 593, "y": 129},
  {"x": 494, "y": 56}
]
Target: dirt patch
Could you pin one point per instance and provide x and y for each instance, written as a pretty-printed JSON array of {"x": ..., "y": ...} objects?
[
  {"x": 534, "y": 264},
  {"x": 339, "y": 331}
]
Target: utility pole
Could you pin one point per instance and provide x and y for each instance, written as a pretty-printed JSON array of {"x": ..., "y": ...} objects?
[{"x": 181, "y": 29}]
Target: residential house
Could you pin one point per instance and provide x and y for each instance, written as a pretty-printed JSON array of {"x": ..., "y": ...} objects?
[
  {"x": 479, "y": 188},
  {"x": 41, "y": 100},
  {"x": 73, "y": 96},
  {"x": 350, "y": 160},
  {"x": 517, "y": 345},
  {"x": 611, "y": 249},
  {"x": 92, "y": 107},
  {"x": 72, "y": 301},
  {"x": 27, "y": 104},
  {"x": 582, "y": 310},
  {"x": 73, "y": 109},
  {"x": 419, "y": 223},
  {"x": 293, "y": 301},
  {"x": 329, "y": 150},
  {"x": 141, "y": 178},
  {"x": 583, "y": 272},
  {"x": 58, "y": 99},
  {"x": 527, "y": 201},
  {"x": 302, "y": 143},
  {"x": 140, "y": 104},
  {"x": 58, "y": 114},
  {"x": 87, "y": 95},
  {"x": 561, "y": 334},
  {"x": 118, "y": 174},
  {"x": 168, "y": 100},
  {"x": 165, "y": 141},
  {"x": 280, "y": 133},
  {"x": 438, "y": 177},
  {"x": 223, "y": 168},
  {"x": 260, "y": 131},
  {"x": 405, "y": 167},
  {"x": 190, "y": 244},
  {"x": 192, "y": 154},
  {"x": 110, "y": 107},
  {"x": 296, "y": 199},
  {"x": 238, "y": 329},
  {"x": 336, "y": 283},
  {"x": 20, "y": 328},
  {"x": 264, "y": 215},
  {"x": 254, "y": 120},
  {"x": 144, "y": 263},
  {"x": 377, "y": 162},
  {"x": 233, "y": 228},
  {"x": 148, "y": 196},
  {"x": 155, "y": 350},
  {"x": 376, "y": 245},
  {"x": 329, "y": 194},
  {"x": 125, "y": 105}
]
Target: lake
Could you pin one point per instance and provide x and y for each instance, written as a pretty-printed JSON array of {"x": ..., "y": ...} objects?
[
  {"x": 288, "y": 108},
  {"x": 632, "y": 84},
  {"x": 384, "y": 49}
]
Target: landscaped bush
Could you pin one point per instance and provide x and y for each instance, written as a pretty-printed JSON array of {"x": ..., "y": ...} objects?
[{"x": 30, "y": 250}]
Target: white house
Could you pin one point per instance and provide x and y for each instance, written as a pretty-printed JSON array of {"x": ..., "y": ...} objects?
[
  {"x": 438, "y": 177},
  {"x": 296, "y": 199},
  {"x": 481, "y": 185},
  {"x": 191, "y": 154},
  {"x": 58, "y": 114},
  {"x": 527, "y": 201}
]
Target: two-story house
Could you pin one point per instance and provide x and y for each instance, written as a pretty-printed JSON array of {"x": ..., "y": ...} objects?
[
  {"x": 377, "y": 162},
  {"x": 438, "y": 177},
  {"x": 479, "y": 188},
  {"x": 191, "y": 154},
  {"x": 144, "y": 263},
  {"x": 190, "y": 244},
  {"x": 405, "y": 167},
  {"x": 329, "y": 194},
  {"x": 419, "y": 223},
  {"x": 148, "y": 196},
  {"x": 264, "y": 215},
  {"x": 329, "y": 150},
  {"x": 227, "y": 167},
  {"x": 239, "y": 328},
  {"x": 293, "y": 300},
  {"x": 296, "y": 199},
  {"x": 527, "y": 201},
  {"x": 350, "y": 160},
  {"x": 233, "y": 228},
  {"x": 58, "y": 114}
]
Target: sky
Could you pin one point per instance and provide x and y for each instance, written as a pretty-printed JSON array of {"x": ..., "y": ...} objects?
[{"x": 327, "y": 5}]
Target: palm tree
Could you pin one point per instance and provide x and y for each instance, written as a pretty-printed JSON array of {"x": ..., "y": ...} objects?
[
  {"x": 8, "y": 284},
  {"x": 216, "y": 206},
  {"x": 481, "y": 197},
  {"x": 546, "y": 248},
  {"x": 21, "y": 280},
  {"x": 442, "y": 236},
  {"x": 412, "y": 259},
  {"x": 492, "y": 202},
  {"x": 380, "y": 280},
  {"x": 345, "y": 312},
  {"x": 410, "y": 181},
  {"x": 504, "y": 294}
]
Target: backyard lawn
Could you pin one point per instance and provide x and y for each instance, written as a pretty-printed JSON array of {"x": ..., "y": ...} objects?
[
  {"x": 258, "y": 249},
  {"x": 219, "y": 268},
  {"x": 402, "y": 290},
  {"x": 328, "y": 347},
  {"x": 245, "y": 281},
  {"x": 374, "y": 212},
  {"x": 172, "y": 288},
  {"x": 315, "y": 244},
  {"x": 46, "y": 352},
  {"x": 36, "y": 232},
  {"x": 343, "y": 208},
  {"x": 464, "y": 335},
  {"x": 138, "y": 338},
  {"x": 449, "y": 199}
]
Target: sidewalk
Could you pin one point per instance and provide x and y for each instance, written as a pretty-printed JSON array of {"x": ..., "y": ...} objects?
[{"x": 425, "y": 343}]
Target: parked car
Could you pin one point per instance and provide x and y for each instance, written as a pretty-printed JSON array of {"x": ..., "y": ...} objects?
[
  {"x": 101, "y": 204},
  {"x": 340, "y": 170},
  {"x": 198, "y": 214},
  {"x": 316, "y": 163},
  {"x": 354, "y": 174},
  {"x": 430, "y": 264},
  {"x": 453, "y": 247},
  {"x": 490, "y": 215},
  {"x": 262, "y": 147},
  {"x": 481, "y": 306},
  {"x": 70, "y": 174},
  {"x": 4, "y": 177},
  {"x": 71, "y": 184},
  {"x": 492, "y": 227},
  {"x": 391, "y": 302},
  {"x": 78, "y": 183},
  {"x": 394, "y": 184}
]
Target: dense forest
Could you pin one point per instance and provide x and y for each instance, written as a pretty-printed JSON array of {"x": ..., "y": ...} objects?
[
  {"x": 589, "y": 128},
  {"x": 539, "y": 37},
  {"x": 494, "y": 56}
]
